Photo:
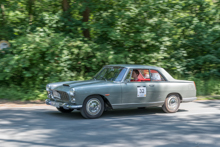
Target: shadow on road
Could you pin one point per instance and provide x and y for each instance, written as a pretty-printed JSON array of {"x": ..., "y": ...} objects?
[
  {"x": 212, "y": 104},
  {"x": 136, "y": 112},
  {"x": 114, "y": 113}
]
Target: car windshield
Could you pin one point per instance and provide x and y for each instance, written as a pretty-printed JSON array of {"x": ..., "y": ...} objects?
[{"x": 111, "y": 74}]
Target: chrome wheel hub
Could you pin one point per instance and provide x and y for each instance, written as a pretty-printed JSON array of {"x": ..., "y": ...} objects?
[
  {"x": 93, "y": 106},
  {"x": 172, "y": 102}
]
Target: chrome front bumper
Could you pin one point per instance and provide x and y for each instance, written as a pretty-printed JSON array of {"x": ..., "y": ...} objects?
[{"x": 60, "y": 104}]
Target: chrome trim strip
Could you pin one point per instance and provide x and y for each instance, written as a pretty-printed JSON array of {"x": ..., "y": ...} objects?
[
  {"x": 138, "y": 103},
  {"x": 60, "y": 104},
  {"x": 190, "y": 99}
]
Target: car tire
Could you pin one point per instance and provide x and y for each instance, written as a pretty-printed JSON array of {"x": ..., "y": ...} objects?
[
  {"x": 93, "y": 107},
  {"x": 171, "y": 104},
  {"x": 62, "y": 110}
]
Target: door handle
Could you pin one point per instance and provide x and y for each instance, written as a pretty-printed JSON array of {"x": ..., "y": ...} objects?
[{"x": 151, "y": 85}]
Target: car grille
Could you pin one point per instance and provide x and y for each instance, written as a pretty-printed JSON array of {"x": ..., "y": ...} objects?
[{"x": 64, "y": 96}]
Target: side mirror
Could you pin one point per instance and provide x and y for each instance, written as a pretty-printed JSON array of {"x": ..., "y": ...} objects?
[{"x": 127, "y": 81}]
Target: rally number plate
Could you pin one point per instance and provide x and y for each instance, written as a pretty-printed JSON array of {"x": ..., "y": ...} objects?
[{"x": 141, "y": 91}]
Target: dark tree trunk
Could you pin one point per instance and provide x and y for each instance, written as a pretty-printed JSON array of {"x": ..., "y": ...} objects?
[
  {"x": 65, "y": 5},
  {"x": 86, "y": 32},
  {"x": 3, "y": 13},
  {"x": 30, "y": 10}
]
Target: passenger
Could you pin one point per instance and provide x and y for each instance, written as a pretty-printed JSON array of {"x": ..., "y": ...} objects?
[
  {"x": 135, "y": 75},
  {"x": 146, "y": 74},
  {"x": 155, "y": 77}
]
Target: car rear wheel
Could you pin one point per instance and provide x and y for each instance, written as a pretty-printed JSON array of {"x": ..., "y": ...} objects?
[
  {"x": 171, "y": 104},
  {"x": 61, "y": 109},
  {"x": 93, "y": 107}
]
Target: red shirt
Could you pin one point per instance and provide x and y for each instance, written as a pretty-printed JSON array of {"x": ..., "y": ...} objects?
[{"x": 138, "y": 80}]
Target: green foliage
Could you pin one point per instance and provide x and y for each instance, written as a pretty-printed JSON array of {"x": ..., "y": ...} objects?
[
  {"x": 44, "y": 57},
  {"x": 18, "y": 93},
  {"x": 207, "y": 87},
  {"x": 47, "y": 43}
]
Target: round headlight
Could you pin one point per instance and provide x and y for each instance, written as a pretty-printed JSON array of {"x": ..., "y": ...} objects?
[
  {"x": 72, "y": 92},
  {"x": 48, "y": 87}
]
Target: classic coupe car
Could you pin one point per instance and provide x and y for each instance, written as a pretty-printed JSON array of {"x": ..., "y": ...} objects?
[{"x": 121, "y": 86}]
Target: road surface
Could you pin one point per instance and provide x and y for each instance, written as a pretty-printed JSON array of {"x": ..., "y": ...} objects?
[{"x": 196, "y": 124}]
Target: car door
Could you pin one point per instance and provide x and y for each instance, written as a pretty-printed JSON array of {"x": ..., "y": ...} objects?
[
  {"x": 157, "y": 88},
  {"x": 134, "y": 92}
]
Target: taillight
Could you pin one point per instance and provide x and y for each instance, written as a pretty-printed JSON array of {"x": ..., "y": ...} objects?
[{"x": 194, "y": 84}]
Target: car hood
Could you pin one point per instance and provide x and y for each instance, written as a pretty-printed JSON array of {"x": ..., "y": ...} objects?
[
  {"x": 72, "y": 84},
  {"x": 82, "y": 83}
]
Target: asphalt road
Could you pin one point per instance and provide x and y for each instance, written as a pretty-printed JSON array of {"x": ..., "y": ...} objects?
[{"x": 196, "y": 124}]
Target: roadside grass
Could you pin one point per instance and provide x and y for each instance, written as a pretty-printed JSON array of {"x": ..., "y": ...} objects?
[
  {"x": 16, "y": 93},
  {"x": 209, "y": 97},
  {"x": 204, "y": 87},
  {"x": 209, "y": 87}
]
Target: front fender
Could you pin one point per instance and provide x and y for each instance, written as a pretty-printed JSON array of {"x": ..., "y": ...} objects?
[{"x": 112, "y": 91}]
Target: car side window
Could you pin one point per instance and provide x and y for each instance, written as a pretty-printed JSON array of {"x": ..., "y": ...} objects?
[
  {"x": 156, "y": 76},
  {"x": 140, "y": 75},
  {"x": 144, "y": 74},
  {"x": 121, "y": 74},
  {"x": 128, "y": 75}
]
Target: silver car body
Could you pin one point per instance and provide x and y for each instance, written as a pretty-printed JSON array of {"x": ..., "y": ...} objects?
[{"x": 121, "y": 94}]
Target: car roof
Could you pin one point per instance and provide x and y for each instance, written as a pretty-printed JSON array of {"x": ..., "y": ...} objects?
[
  {"x": 134, "y": 66},
  {"x": 163, "y": 71}
]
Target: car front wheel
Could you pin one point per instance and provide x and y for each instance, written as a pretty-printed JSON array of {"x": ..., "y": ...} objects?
[
  {"x": 171, "y": 104},
  {"x": 93, "y": 107}
]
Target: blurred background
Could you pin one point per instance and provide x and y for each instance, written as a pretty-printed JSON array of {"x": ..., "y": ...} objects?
[{"x": 44, "y": 41}]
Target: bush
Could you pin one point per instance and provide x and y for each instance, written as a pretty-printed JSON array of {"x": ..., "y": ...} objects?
[
  {"x": 17, "y": 93},
  {"x": 206, "y": 86},
  {"x": 181, "y": 36},
  {"x": 44, "y": 57}
]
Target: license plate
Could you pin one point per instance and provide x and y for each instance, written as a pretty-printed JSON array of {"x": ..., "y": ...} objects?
[
  {"x": 55, "y": 104},
  {"x": 56, "y": 94}
]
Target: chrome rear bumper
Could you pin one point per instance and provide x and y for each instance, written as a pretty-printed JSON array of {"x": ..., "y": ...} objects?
[
  {"x": 60, "y": 104},
  {"x": 188, "y": 99}
]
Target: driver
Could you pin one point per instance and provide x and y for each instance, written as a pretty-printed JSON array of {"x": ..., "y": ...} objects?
[{"x": 135, "y": 75}]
